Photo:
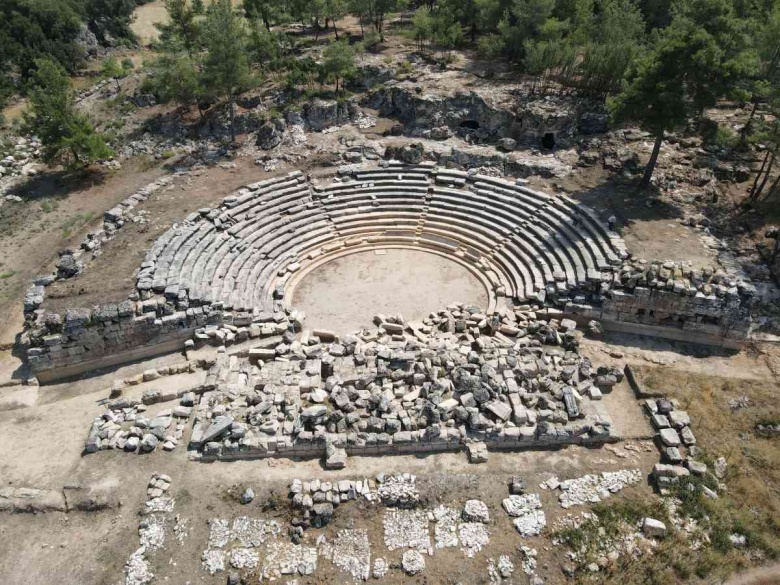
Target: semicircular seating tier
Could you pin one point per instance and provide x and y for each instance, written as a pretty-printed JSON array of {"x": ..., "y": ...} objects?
[{"x": 521, "y": 243}]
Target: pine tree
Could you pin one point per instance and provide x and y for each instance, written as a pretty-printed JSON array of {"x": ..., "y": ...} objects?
[
  {"x": 269, "y": 11},
  {"x": 67, "y": 136},
  {"x": 698, "y": 58},
  {"x": 111, "y": 69},
  {"x": 338, "y": 62},
  {"x": 182, "y": 26},
  {"x": 173, "y": 77},
  {"x": 226, "y": 70}
]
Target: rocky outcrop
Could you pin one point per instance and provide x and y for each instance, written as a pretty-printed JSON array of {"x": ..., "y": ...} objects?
[
  {"x": 408, "y": 153},
  {"x": 477, "y": 117},
  {"x": 321, "y": 114},
  {"x": 271, "y": 134},
  {"x": 468, "y": 111},
  {"x": 593, "y": 123},
  {"x": 88, "y": 42},
  {"x": 370, "y": 75}
]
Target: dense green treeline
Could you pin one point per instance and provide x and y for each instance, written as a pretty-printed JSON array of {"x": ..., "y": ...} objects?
[
  {"x": 35, "y": 29},
  {"x": 42, "y": 42},
  {"x": 655, "y": 63}
]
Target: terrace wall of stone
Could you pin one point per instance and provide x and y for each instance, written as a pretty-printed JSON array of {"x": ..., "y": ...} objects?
[
  {"x": 402, "y": 443},
  {"x": 128, "y": 330},
  {"x": 698, "y": 317}
]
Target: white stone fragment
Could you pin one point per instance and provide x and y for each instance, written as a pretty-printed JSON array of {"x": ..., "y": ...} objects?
[
  {"x": 445, "y": 530},
  {"x": 137, "y": 570},
  {"x": 406, "y": 529},
  {"x": 380, "y": 568},
  {"x": 531, "y": 524},
  {"x": 473, "y": 537},
  {"x": 213, "y": 560},
  {"x": 219, "y": 532},
  {"x": 412, "y": 562},
  {"x": 476, "y": 511},
  {"x": 350, "y": 551}
]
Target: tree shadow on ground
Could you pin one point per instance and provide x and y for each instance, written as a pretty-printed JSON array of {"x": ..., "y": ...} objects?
[
  {"x": 628, "y": 201},
  {"x": 58, "y": 184},
  {"x": 760, "y": 215}
]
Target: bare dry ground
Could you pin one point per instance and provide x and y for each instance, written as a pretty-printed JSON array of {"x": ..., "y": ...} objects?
[
  {"x": 44, "y": 450},
  {"x": 346, "y": 293},
  {"x": 146, "y": 17},
  {"x": 202, "y": 492},
  {"x": 650, "y": 227},
  {"x": 110, "y": 276}
]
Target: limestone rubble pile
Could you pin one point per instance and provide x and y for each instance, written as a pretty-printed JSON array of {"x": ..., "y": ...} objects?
[
  {"x": 412, "y": 562},
  {"x": 380, "y": 568},
  {"x": 513, "y": 377},
  {"x": 351, "y": 552},
  {"x": 474, "y": 536},
  {"x": 406, "y": 529},
  {"x": 18, "y": 159},
  {"x": 400, "y": 491},
  {"x": 151, "y": 530},
  {"x": 244, "y": 535},
  {"x": 316, "y": 500},
  {"x": 445, "y": 527},
  {"x": 137, "y": 569},
  {"x": 529, "y": 518},
  {"x": 592, "y": 488},
  {"x": 125, "y": 426},
  {"x": 680, "y": 454}
]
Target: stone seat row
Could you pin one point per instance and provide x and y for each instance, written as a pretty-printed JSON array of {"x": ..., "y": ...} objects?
[
  {"x": 170, "y": 257},
  {"x": 183, "y": 261},
  {"x": 554, "y": 251},
  {"x": 588, "y": 229},
  {"x": 531, "y": 243}
]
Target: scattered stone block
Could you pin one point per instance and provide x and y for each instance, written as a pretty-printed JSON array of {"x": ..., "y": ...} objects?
[
  {"x": 669, "y": 437},
  {"x": 335, "y": 457},
  {"x": 653, "y": 528},
  {"x": 412, "y": 562},
  {"x": 476, "y": 511},
  {"x": 477, "y": 452}
]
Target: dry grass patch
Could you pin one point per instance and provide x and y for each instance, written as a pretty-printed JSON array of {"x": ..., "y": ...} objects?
[{"x": 724, "y": 414}]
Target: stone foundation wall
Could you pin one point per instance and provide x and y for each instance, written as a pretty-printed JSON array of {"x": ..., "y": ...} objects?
[
  {"x": 408, "y": 443},
  {"x": 726, "y": 316},
  {"x": 84, "y": 335}
]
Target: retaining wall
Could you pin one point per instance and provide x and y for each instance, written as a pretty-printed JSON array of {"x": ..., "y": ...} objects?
[
  {"x": 86, "y": 337},
  {"x": 285, "y": 447},
  {"x": 698, "y": 318}
]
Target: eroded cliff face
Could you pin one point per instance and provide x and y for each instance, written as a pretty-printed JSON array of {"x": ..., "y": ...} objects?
[{"x": 485, "y": 114}]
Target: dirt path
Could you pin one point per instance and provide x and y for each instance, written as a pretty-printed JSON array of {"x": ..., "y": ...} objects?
[{"x": 747, "y": 363}]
